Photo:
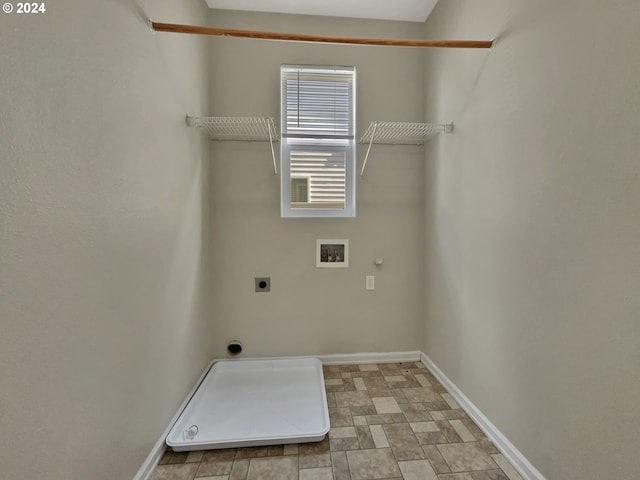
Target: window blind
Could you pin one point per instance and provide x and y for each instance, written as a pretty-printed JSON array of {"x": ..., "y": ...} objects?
[{"x": 318, "y": 103}]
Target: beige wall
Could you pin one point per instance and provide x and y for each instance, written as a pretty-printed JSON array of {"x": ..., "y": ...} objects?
[
  {"x": 316, "y": 311},
  {"x": 533, "y": 220},
  {"x": 102, "y": 221}
]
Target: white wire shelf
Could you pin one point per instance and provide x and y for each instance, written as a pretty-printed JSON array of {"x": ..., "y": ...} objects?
[
  {"x": 403, "y": 133},
  {"x": 243, "y": 129},
  {"x": 400, "y": 133}
]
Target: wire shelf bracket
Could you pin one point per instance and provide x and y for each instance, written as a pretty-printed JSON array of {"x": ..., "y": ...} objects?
[
  {"x": 400, "y": 133},
  {"x": 240, "y": 129}
]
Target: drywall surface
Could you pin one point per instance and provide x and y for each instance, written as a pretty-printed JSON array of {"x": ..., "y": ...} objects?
[
  {"x": 316, "y": 310},
  {"x": 533, "y": 220},
  {"x": 102, "y": 220}
]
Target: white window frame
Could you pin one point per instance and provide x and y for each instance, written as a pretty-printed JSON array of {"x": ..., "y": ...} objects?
[{"x": 343, "y": 143}]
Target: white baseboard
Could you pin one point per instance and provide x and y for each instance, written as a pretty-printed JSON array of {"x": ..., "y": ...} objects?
[
  {"x": 347, "y": 358},
  {"x": 363, "y": 358},
  {"x": 508, "y": 449},
  {"x": 144, "y": 472}
]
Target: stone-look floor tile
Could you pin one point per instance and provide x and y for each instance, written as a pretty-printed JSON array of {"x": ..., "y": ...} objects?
[
  {"x": 417, "y": 470},
  {"x": 438, "y": 388},
  {"x": 364, "y": 437},
  {"x": 195, "y": 457},
  {"x": 398, "y": 418},
  {"x": 424, "y": 427},
  {"x": 372, "y": 464},
  {"x": 422, "y": 380},
  {"x": 449, "y": 432},
  {"x": 408, "y": 383},
  {"x": 273, "y": 468},
  {"x": 334, "y": 388},
  {"x": 333, "y": 381},
  {"x": 211, "y": 469},
  {"x": 340, "y": 417},
  {"x": 450, "y": 400},
  {"x": 454, "y": 414},
  {"x": 365, "y": 410},
  {"x": 359, "y": 383},
  {"x": 166, "y": 457},
  {"x": 342, "y": 432},
  {"x": 353, "y": 399},
  {"x": 391, "y": 379},
  {"x": 473, "y": 428},
  {"x": 359, "y": 420},
  {"x": 223, "y": 455},
  {"x": 340, "y": 466},
  {"x": 251, "y": 452},
  {"x": 438, "y": 405},
  {"x": 366, "y": 374},
  {"x": 178, "y": 457},
  {"x": 386, "y": 405},
  {"x": 185, "y": 471},
  {"x": 506, "y": 467},
  {"x": 342, "y": 444},
  {"x": 437, "y": 416},
  {"x": 240, "y": 469},
  {"x": 422, "y": 394},
  {"x": 325, "y": 473},
  {"x": 379, "y": 391},
  {"x": 489, "y": 475},
  {"x": 331, "y": 400},
  {"x": 415, "y": 412},
  {"x": 431, "y": 438},
  {"x": 390, "y": 368},
  {"x": 379, "y": 419},
  {"x": 466, "y": 457},
  {"x": 345, "y": 374},
  {"x": 379, "y": 437},
  {"x": 462, "y": 431},
  {"x": 291, "y": 449},
  {"x": 436, "y": 459},
  {"x": 400, "y": 397},
  {"x": 217, "y": 477},
  {"x": 331, "y": 371},
  {"x": 275, "y": 451},
  {"x": 403, "y": 442},
  {"x": 378, "y": 381},
  {"x": 488, "y": 446},
  {"x": 349, "y": 385},
  {"x": 456, "y": 476},
  {"x": 315, "y": 455},
  {"x": 349, "y": 368},
  {"x": 368, "y": 367}
]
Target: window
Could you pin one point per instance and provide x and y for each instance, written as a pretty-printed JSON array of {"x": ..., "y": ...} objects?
[{"x": 318, "y": 141}]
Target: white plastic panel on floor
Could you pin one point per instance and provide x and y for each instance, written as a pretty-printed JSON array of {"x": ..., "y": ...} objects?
[{"x": 247, "y": 403}]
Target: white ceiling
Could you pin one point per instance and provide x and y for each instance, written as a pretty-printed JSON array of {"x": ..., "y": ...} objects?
[{"x": 405, "y": 10}]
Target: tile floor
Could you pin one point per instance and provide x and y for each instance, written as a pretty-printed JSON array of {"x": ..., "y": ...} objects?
[{"x": 388, "y": 421}]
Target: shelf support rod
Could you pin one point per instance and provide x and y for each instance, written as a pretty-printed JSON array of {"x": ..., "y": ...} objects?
[
  {"x": 273, "y": 154},
  {"x": 366, "y": 157},
  {"x": 300, "y": 37}
]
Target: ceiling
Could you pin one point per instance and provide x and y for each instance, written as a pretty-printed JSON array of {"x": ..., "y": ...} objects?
[{"x": 403, "y": 10}]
